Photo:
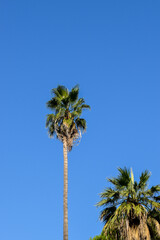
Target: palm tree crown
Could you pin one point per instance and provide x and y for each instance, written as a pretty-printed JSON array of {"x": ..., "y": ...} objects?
[
  {"x": 129, "y": 203},
  {"x": 66, "y": 121}
]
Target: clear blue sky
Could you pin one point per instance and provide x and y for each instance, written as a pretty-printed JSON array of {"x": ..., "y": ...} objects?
[{"x": 112, "y": 49}]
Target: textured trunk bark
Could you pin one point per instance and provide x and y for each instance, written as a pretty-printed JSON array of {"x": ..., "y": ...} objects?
[
  {"x": 65, "y": 191},
  {"x": 140, "y": 232}
]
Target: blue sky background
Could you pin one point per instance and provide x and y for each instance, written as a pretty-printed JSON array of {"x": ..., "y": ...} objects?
[{"x": 112, "y": 49}]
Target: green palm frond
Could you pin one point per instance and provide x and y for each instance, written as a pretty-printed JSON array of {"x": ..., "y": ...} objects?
[
  {"x": 109, "y": 193},
  {"x": 154, "y": 204},
  {"x": 79, "y": 103},
  {"x": 81, "y": 124},
  {"x": 123, "y": 177},
  {"x": 75, "y": 114},
  {"x": 122, "y": 180},
  {"x": 113, "y": 181},
  {"x": 85, "y": 106},
  {"x": 152, "y": 192},
  {"x": 53, "y": 104},
  {"x": 50, "y": 119},
  {"x": 107, "y": 213},
  {"x": 73, "y": 95},
  {"x": 60, "y": 114},
  {"x": 144, "y": 179},
  {"x": 51, "y": 130},
  {"x": 136, "y": 186},
  {"x": 155, "y": 189},
  {"x": 79, "y": 111},
  {"x": 157, "y": 198},
  {"x": 65, "y": 102},
  {"x": 60, "y": 92}
]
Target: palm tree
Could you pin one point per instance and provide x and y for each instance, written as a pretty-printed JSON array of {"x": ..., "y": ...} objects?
[
  {"x": 67, "y": 125},
  {"x": 131, "y": 210}
]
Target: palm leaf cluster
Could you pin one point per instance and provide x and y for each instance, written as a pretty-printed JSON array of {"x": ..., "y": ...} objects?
[
  {"x": 130, "y": 205},
  {"x": 65, "y": 121}
]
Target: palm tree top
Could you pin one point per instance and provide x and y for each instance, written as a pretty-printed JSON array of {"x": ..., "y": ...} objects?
[
  {"x": 65, "y": 99},
  {"x": 66, "y": 121},
  {"x": 128, "y": 195}
]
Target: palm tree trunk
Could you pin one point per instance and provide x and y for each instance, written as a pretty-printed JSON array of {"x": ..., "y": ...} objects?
[{"x": 65, "y": 191}]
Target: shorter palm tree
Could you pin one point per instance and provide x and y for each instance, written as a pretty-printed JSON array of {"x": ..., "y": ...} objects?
[{"x": 130, "y": 209}]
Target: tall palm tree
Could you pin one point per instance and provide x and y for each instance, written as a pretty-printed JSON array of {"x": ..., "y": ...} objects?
[
  {"x": 67, "y": 125},
  {"x": 131, "y": 210}
]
